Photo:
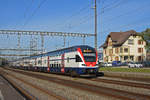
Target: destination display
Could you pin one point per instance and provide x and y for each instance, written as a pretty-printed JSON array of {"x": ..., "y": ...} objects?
[
  {"x": 89, "y": 54},
  {"x": 87, "y": 50}
]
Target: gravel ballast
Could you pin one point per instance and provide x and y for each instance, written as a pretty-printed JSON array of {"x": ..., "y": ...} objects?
[{"x": 66, "y": 92}]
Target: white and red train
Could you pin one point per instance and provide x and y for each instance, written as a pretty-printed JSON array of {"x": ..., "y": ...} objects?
[{"x": 76, "y": 60}]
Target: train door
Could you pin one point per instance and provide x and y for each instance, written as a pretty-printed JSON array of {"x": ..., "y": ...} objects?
[
  {"x": 35, "y": 62},
  {"x": 48, "y": 65},
  {"x": 63, "y": 63}
]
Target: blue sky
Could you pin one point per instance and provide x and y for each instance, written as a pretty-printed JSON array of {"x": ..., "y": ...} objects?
[{"x": 71, "y": 16}]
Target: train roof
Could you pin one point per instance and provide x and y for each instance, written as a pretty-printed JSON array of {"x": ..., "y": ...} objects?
[{"x": 61, "y": 51}]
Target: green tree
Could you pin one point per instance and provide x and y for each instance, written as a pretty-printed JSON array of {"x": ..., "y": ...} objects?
[{"x": 146, "y": 36}]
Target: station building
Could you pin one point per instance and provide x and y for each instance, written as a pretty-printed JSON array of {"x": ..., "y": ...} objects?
[{"x": 124, "y": 46}]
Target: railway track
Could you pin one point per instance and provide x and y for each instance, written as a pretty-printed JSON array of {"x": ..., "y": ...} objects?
[
  {"x": 130, "y": 78},
  {"x": 28, "y": 95},
  {"x": 99, "y": 90},
  {"x": 124, "y": 83},
  {"x": 23, "y": 92}
]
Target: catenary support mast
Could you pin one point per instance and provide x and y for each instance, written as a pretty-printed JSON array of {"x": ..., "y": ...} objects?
[{"x": 95, "y": 7}]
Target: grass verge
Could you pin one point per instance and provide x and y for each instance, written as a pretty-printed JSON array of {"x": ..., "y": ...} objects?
[{"x": 116, "y": 69}]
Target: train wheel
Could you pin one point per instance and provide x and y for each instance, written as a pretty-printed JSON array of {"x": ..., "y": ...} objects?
[{"x": 74, "y": 74}]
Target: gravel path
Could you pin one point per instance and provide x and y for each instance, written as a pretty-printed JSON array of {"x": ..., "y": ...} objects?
[{"x": 67, "y": 92}]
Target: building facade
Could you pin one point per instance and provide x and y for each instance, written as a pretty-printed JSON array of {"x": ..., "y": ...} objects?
[
  {"x": 124, "y": 46},
  {"x": 100, "y": 55}
]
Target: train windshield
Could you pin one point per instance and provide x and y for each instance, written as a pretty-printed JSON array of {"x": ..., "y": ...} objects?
[{"x": 89, "y": 57}]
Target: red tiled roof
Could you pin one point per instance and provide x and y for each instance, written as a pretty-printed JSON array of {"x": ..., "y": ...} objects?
[{"x": 119, "y": 38}]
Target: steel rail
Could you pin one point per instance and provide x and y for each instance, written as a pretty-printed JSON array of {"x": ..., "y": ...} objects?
[
  {"x": 100, "y": 90},
  {"x": 18, "y": 88},
  {"x": 130, "y": 78},
  {"x": 36, "y": 87},
  {"x": 124, "y": 83}
]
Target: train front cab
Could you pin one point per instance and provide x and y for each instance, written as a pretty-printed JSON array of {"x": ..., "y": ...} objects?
[{"x": 87, "y": 62}]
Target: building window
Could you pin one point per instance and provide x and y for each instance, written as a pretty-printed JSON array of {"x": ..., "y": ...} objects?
[
  {"x": 121, "y": 57},
  {"x": 140, "y": 58},
  {"x": 140, "y": 50},
  {"x": 110, "y": 43},
  {"x": 116, "y": 50},
  {"x": 110, "y": 51},
  {"x": 121, "y": 50},
  {"x": 132, "y": 58},
  {"x": 125, "y": 58},
  {"x": 130, "y": 41},
  {"x": 106, "y": 59},
  {"x": 116, "y": 58},
  {"x": 111, "y": 58},
  {"x": 140, "y": 42},
  {"x": 105, "y": 51},
  {"x": 125, "y": 50}
]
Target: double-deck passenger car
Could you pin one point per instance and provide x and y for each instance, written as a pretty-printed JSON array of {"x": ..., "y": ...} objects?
[{"x": 76, "y": 60}]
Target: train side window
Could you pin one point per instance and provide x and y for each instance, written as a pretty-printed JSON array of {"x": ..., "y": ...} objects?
[
  {"x": 55, "y": 65},
  {"x": 45, "y": 61},
  {"x": 78, "y": 59},
  {"x": 68, "y": 59},
  {"x": 39, "y": 62}
]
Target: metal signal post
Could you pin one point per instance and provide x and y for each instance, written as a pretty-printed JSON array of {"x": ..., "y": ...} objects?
[{"x": 95, "y": 8}]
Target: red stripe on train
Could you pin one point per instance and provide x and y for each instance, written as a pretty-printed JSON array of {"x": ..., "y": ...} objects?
[
  {"x": 89, "y": 64},
  {"x": 63, "y": 63},
  {"x": 48, "y": 64}
]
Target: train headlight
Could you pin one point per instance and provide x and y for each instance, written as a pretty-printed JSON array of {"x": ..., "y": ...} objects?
[
  {"x": 92, "y": 70},
  {"x": 83, "y": 64}
]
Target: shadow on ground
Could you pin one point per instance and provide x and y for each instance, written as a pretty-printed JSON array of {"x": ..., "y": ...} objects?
[{"x": 99, "y": 74}]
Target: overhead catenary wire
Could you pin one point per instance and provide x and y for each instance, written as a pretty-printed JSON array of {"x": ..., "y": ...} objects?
[
  {"x": 70, "y": 18},
  {"x": 127, "y": 25},
  {"x": 112, "y": 19},
  {"x": 34, "y": 12},
  {"x": 68, "y": 23},
  {"x": 127, "y": 13},
  {"x": 27, "y": 9},
  {"x": 87, "y": 18},
  {"x": 110, "y": 5}
]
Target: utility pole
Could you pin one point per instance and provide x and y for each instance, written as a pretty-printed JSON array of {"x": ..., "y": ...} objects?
[
  {"x": 83, "y": 40},
  {"x": 19, "y": 35},
  {"x": 42, "y": 42},
  {"x": 64, "y": 41},
  {"x": 95, "y": 8}
]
